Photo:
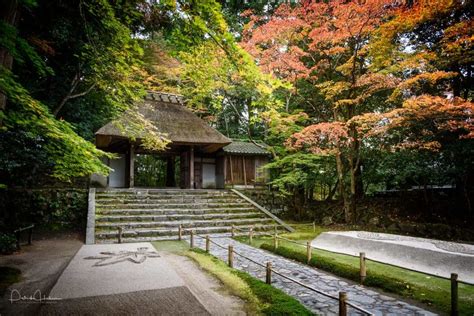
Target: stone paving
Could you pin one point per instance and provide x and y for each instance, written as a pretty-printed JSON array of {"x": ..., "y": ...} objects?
[{"x": 376, "y": 303}]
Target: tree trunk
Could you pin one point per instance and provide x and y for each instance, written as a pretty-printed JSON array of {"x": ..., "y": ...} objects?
[
  {"x": 9, "y": 15},
  {"x": 345, "y": 197},
  {"x": 332, "y": 191}
]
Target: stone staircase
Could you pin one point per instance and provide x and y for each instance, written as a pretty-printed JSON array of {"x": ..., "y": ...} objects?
[{"x": 155, "y": 214}]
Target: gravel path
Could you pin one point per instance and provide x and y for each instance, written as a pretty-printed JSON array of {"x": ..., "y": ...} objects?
[{"x": 376, "y": 303}]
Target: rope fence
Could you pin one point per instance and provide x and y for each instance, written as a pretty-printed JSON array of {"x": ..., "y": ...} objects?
[
  {"x": 343, "y": 303},
  {"x": 368, "y": 259},
  {"x": 342, "y": 298},
  {"x": 363, "y": 269}
]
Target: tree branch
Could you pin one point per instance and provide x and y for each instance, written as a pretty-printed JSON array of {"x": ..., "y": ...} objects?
[{"x": 70, "y": 96}]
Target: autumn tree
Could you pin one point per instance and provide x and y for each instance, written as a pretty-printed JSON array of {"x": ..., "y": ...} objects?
[
  {"x": 325, "y": 43},
  {"x": 428, "y": 45}
]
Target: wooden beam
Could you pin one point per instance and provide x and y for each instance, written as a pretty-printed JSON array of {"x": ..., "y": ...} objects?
[
  {"x": 131, "y": 157},
  {"x": 231, "y": 171},
  {"x": 225, "y": 169},
  {"x": 245, "y": 172},
  {"x": 191, "y": 167}
]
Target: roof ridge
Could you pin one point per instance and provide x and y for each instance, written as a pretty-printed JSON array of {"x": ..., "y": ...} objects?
[{"x": 164, "y": 97}]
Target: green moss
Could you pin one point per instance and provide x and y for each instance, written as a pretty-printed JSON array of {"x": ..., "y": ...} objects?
[
  {"x": 8, "y": 276},
  {"x": 260, "y": 298},
  {"x": 173, "y": 246}
]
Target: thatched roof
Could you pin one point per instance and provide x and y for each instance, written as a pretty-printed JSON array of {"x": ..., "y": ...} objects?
[
  {"x": 246, "y": 148},
  {"x": 170, "y": 116}
]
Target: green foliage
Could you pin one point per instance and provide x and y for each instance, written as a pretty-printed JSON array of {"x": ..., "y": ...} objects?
[
  {"x": 7, "y": 243},
  {"x": 302, "y": 171},
  {"x": 77, "y": 66},
  {"x": 71, "y": 155},
  {"x": 52, "y": 208}
]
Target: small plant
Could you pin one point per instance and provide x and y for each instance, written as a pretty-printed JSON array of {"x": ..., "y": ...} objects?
[{"x": 7, "y": 243}]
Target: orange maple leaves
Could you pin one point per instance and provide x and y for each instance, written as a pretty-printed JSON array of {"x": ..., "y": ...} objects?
[
  {"x": 277, "y": 41},
  {"x": 322, "y": 139},
  {"x": 420, "y": 122}
]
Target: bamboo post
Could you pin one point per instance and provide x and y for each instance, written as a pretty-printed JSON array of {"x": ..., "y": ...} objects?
[
  {"x": 308, "y": 251},
  {"x": 342, "y": 304},
  {"x": 180, "y": 232},
  {"x": 251, "y": 235},
  {"x": 233, "y": 231},
  {"x": 268, "y": 277},
  {"x": 454, "y": 294},
  {"x": 363, "y": 269},
  {"x": 30, "y": 236},
  {"x": 275, "y": 241},
  {"x": 191, "y": 243},
  {"x": 231, "y": 256},
  {"x": 120, "y": 231},
  {"x": 208, "y": 243}
]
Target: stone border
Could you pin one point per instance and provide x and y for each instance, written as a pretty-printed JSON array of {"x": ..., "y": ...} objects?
[
  {"x": 90, "y": 232},
  {"x": 264, "y": 210}
]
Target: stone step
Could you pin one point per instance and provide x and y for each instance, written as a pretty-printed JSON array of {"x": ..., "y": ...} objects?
[
  {"x": 121, "y": 192},
  {"x": 170, "y": 206},
  {"x": 173, "y": 217},
  {"x": 167, "y": 199},
  {"x": 152, "y": 211},
  {"x": 214, "y": 236},
  {"x": 101, "y": 235},
  {"x": 137, "y": 226}
]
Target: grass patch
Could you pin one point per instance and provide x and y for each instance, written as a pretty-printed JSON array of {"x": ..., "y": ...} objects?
[
  {"x": 432, "y": 291},
  {"x": 174, "y": 246},
  {"x": 260, "y": 298},
  {"x": 8, "y": 276}
]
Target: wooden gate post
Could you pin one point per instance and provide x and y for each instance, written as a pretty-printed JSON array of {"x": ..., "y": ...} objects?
[
  {"x": 363, "y": 269},
  {"x": 251, "y": 235},
  {"x": 208, "y": 243},
  {"x": 231, "y": 256},
  {"x": 454, "y": 294},
  {"x": 120, "y": 231},
  {"x": 342, "y": 304},
  {"x": 180, "y": 232},
  {"x": 30, "y": 236},
  {"x": 18, "y": 236},
  {"x": 268, "y": 277},
  {"x": 308, "y": 252},
  {"x": 233, "y": 231},
  {"x": 191, "y": 242}
]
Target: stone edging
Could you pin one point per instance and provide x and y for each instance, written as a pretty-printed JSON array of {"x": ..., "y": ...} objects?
[
  {"x": 264, "y": 210},
  {"x": 90, "y": 232}
]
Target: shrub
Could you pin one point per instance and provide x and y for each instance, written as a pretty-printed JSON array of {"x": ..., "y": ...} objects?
[{"x": 7, "y": 243}]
